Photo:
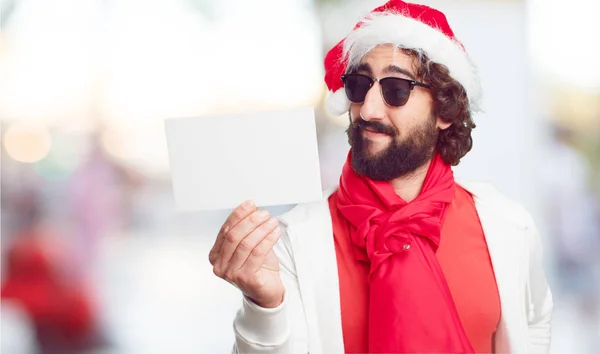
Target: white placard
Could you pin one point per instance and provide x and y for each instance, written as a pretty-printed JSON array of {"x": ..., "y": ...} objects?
[{"x": 217, "y": 162}]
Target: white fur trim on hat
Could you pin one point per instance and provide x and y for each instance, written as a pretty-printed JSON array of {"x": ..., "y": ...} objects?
[
  {"x": 405, "y": 32},
  {"x": 337, "y": 102}
]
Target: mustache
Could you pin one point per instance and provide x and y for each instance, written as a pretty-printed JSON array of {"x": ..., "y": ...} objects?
[{"x": 374, "y": 126}]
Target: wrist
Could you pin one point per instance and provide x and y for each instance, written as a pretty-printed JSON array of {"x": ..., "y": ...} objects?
[{"x": 269, "y": 304}]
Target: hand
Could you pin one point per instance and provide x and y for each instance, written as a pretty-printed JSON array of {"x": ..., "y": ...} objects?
[{"x": 243, "y": 254}]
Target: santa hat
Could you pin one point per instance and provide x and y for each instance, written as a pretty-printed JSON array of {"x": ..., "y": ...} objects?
[{"x": 404, "y": 25}]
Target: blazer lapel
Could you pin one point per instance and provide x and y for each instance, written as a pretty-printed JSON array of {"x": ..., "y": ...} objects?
[{"x": 311, "y": 234}]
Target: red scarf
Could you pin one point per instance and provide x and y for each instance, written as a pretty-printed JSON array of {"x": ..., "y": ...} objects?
[{"x": 411, "y": 309}]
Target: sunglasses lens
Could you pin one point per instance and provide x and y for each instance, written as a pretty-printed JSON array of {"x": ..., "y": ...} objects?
[
  {"x": 356, "y": 87},
  {"x": 395, "y": 91}
]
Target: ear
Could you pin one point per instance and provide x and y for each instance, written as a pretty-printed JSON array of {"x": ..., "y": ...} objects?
[{"x": 441, "y": 124}]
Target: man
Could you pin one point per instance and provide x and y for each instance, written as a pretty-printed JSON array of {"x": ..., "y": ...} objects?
[{"x": 399, "y": 258}]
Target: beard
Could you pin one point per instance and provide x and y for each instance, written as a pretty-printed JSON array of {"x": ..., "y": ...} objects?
[{"x": 400, "y": 158}]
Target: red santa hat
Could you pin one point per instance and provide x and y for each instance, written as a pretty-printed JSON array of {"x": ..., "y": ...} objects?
[{"x": 404, "y": 25}]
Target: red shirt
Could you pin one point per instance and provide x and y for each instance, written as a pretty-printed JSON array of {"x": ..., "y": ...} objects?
[{"x": 464, "y": 258}]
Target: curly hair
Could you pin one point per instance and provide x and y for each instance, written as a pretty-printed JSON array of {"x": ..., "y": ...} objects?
[{"x": 451, "y": 104}]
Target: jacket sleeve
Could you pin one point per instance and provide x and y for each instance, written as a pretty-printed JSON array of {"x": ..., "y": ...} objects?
[
  {"x": 279, "y": 330},
  {"x": 539, "y": 312}
]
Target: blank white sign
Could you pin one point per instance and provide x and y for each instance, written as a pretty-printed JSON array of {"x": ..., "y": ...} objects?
[{"x": 217, "y": 162}]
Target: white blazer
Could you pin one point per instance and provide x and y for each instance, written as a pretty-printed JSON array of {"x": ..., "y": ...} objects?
[{"x": 309, "y": 319}]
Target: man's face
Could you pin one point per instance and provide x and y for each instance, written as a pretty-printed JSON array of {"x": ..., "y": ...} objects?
[{"x": 391, "y": 142}]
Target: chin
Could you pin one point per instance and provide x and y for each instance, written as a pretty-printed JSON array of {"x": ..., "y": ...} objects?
[{"x": 375, "y": 148}]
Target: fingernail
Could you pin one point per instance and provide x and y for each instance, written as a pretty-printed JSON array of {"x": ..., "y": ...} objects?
[
  {"x": 248, "y": 204},
  {"x": 272, "y": 221},
  {"x": 260, "y": 216},
  {"x": 277, "y": 232}
]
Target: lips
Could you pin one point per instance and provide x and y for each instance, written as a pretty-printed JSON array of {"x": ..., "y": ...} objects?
[
  {"x": 375, "y": 131},
  {"x": 374, "y": 128}
]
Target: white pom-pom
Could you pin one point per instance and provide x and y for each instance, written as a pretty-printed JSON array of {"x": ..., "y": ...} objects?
[{"x": 337, "y": 103}]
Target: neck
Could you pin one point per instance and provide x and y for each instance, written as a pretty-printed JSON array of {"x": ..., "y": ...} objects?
[{"x": 409, "y": 186}]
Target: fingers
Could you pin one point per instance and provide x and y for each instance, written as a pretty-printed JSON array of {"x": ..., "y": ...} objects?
[
  {"x": 249, "y": 243},
  {"x": 257, "y": 257},
  {"x": 237, "y": 215},
  {"x": 236, "y": 234}
]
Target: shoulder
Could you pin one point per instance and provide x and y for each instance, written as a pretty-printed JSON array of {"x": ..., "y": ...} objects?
[
  {"x": 308, "y": 212},
  {"x": 494, "y": 204}
]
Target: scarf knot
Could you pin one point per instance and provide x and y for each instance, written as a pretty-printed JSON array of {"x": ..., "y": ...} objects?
[{"x": 377, "y": 239}]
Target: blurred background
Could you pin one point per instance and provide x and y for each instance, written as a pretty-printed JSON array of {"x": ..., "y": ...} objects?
[{"x": 94, "y": 257}]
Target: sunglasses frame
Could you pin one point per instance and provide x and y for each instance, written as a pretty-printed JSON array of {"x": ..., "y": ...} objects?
[{"x": 411, "y": 85}]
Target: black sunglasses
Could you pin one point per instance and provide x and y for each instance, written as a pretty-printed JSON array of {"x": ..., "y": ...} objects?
[{"x": 395, "y": 90}]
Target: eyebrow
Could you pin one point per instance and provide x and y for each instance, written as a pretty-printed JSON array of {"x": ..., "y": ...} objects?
[
  {"x": 398, "y": 70},
  {"x": 365, "y": 67}
]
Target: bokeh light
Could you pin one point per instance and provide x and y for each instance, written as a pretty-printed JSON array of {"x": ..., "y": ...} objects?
[{"x": 27, "y": 142}]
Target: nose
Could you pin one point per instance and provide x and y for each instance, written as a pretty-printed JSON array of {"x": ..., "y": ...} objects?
[{"x": 373, "y": 108}]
